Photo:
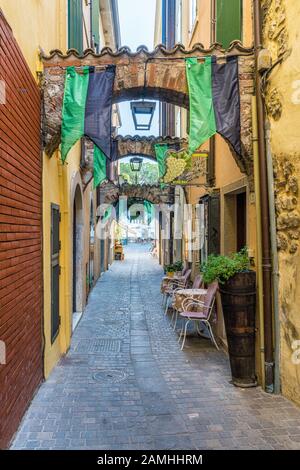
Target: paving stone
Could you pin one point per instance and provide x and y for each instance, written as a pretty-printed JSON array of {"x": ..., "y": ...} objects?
[{"x": 151, "y": 395}]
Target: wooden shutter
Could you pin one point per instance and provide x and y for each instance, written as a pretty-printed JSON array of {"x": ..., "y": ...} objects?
[
  {"x": 75, "y": 24},
  {"x": 229, "y": 21},
  {"x": 95, "y": 24},
  {"x": 55, "y": 271},
  {"x": 214, "y": 224}
]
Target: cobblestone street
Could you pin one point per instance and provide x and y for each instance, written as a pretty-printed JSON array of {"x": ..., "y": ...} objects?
[{"x": 125, "y": 383}]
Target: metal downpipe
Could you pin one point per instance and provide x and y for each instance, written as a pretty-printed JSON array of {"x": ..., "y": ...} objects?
[
  {"x": 265, "y": 215},
  {"x": 275, "y": 271}
]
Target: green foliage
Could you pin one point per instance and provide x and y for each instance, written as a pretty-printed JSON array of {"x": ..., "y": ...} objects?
[
  {"x": 178, "y": 265},
  {"x": 173, "y": 268},
  {"x": 147, "y": 175},
  {"x": 221, "y": 268}
]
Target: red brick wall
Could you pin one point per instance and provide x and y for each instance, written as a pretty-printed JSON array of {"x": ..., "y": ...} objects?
[{"x": 20, "y": 236}]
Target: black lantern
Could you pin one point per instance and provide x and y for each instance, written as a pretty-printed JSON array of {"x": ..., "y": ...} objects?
[
  {"x": 136, "y": 165},
  {"x": 142, "y": 113}
]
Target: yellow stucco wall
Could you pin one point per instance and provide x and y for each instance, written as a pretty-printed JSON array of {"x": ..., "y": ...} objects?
[
  {"x": 281, "y": 36},
  {"x": 63, "y": 179},
  {"x": 201, "y": 30},
  {"x": 37, "y": 23},
  {"x": 43, "y": 24}
]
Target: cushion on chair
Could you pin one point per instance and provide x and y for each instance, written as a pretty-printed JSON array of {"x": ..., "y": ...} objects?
[{"x": 196, "y": 315}]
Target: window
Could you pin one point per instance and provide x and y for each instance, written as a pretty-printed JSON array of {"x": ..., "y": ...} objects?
[
  {"x": 75, "y": 25},
  {"x": 193, "y": 14},
  {"x": 95, "y": 25},
  {"x": 228, "y": 21}
]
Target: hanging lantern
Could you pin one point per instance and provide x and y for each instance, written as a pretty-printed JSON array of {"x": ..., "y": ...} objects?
[
  {"x": 142, "y": 113},
  {"x": 136, "y": 166}
]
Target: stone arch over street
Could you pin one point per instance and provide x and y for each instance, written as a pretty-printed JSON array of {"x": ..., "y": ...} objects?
[
  {"x": 158, "y": 75},
  {"x": 144, "y": 146},
  {"x": 110, "y": 193}
]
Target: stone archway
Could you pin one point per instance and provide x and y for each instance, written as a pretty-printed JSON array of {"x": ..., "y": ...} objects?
[
  {"x": 144, "y": 146},
  {"x": 110, "y": 193},
  {"x": 128, "y": 146},
  {"x": 158, "y": 75}
]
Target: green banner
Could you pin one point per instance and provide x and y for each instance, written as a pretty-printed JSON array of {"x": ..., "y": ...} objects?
[
  {"x": 73, "y": 111},
  {"x": 160, "y": 152},
  {"x": 149, "y": 209},
  {"x": 202, "y": 115},
  {"x": 99, "y": 166}
]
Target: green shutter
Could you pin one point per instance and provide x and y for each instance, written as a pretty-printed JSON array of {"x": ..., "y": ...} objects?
[
  {"x": 75, "y": 25},
  {"x": 95, "y": 23},
  {"x": 229, "y": 21}
]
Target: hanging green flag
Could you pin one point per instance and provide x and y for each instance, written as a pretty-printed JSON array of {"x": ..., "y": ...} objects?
[
  {"x": 202, "y": 115},
  {"x": 99, "y": 166},
  {"x": 149, "y": 209},
  {"x": 73, "y": 111},
  {"x": 107, "y": 214},
  {"x": 160, "y": 152},
  {"x": 87, "y": 108}
]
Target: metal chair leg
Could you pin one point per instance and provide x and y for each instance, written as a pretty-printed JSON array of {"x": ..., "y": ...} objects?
[
  {"x": 176, "y": 318},
  {"x": 185, "y": 331},
  {"x": 200, "y": 333},
  {"x": 180, "y": 334},
  {"x": 167, "y": 304},
  {"x": 212, "y": 335}
]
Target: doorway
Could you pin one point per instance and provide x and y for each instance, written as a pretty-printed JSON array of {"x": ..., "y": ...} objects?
[
  {"x": 235, "y": 221},
  {"x": 77, "y": 258}
]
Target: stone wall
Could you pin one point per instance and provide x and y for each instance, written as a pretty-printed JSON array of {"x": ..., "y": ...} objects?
[
  {"x": 110, "y": 193},
  {"x": 282, "y": 90},
  {"x": 144, "y": 146}
]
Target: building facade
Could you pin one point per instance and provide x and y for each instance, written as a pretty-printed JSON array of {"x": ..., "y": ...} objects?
[
  {"x": 70, "y": 202},
  {"x": 281, "y": 43},
  {"x": 56, "y": 259},
  {"x": 227, "y": 193}
]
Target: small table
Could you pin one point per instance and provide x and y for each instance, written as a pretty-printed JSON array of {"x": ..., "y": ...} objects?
[
  {"x": 166, "y": 281},
  {"x": 182, "y": 294}
]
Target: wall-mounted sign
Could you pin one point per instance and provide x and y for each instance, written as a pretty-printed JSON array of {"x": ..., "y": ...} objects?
[{"x": 182, "y": 168}]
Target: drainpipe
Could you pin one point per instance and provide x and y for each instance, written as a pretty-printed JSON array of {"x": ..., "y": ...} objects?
[
  {"x": 265, "y": 215},
  {"x": 275, "y": 272},
  {"x": 260, "y": 302}
]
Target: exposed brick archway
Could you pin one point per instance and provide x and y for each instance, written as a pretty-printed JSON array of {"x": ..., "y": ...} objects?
[
  {"x": 144, "y": 146},
  {"x": 158, "y": 75},
  {"x": 110, "y": 193}
]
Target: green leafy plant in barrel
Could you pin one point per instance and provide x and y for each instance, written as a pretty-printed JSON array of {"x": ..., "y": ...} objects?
[{"x": 221, "y": 268}]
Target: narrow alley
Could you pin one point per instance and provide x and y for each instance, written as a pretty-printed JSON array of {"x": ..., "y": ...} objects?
[{"x": 125, "y": 383}]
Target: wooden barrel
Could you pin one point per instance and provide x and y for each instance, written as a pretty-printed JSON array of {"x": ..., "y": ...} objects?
[{"x": 239, "y": 307}]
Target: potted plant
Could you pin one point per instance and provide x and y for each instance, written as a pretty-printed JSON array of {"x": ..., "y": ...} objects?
[
  {"x": 237, "y": 286},
  {"x": 169, "y": 270},
  {"x": 172, "y": 269},
  {"x": 178, "y": 267}
]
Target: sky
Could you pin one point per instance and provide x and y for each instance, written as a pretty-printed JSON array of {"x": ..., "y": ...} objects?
[{"x": 137, "y": 19}]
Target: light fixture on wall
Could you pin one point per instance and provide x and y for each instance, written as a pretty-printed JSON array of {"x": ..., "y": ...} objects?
[{"x": 142, "y": 113}]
